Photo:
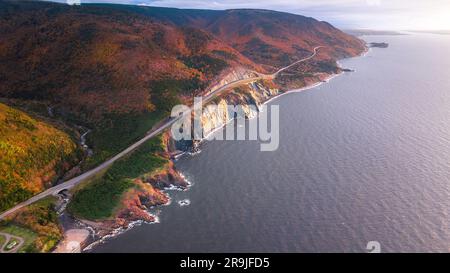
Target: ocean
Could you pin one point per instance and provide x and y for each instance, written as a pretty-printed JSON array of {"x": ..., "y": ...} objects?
[{"x": 365, "y": 157}]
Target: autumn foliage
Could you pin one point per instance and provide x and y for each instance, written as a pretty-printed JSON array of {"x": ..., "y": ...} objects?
[
  {"x": 119, "y": 69},
  {"x": 31, "y": 154}
]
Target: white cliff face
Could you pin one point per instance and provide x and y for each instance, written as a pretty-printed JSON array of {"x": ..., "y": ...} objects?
[
  {"x": 214, "y": 116},
  {"x": 249, "y": 97}
]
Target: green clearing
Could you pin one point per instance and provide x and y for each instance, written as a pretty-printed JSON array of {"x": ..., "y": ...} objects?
[
  {"x": 2, "y": 240},
  {"x": 117, "y": 131},
  {"x": 101, "y": 198}
]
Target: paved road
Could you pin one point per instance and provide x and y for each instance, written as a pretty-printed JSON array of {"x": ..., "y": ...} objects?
[
  {"x": 8, "y": 237},
  {"x": 74, "y": 181},
  {"x": 274, "y": 75},
  {"x": 297, "y": 62}
]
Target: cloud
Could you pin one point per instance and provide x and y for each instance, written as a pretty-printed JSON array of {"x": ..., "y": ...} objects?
[{"x": 373, "y": 2}]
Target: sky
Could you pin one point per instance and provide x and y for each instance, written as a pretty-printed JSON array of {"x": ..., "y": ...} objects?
[{"x": 370, "y": 14}]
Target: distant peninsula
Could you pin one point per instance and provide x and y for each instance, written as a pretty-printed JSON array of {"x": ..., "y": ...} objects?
[
  {"x": 367, "y": 32},
  {"x": 379, "y": 45}
]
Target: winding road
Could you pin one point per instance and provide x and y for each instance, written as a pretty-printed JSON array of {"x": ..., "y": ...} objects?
[
  {"x": 76, "y": 180},
  {"x": 297, "y": 62},
  {"x": 8, "y": 238}
]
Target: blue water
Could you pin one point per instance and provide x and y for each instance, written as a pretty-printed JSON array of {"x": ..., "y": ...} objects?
[{"x": 363, "y": 158}]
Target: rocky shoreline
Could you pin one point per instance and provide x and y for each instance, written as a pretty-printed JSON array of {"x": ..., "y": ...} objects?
[
  {"x": 154, "y": 194},
  {"x": 150, "y": 192},
  {"x": 153, "y": 188},
  {"x": 139, "y": 201}
]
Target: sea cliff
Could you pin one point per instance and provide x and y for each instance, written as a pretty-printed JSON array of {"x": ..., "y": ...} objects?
[{"x": 151, "y": 188}]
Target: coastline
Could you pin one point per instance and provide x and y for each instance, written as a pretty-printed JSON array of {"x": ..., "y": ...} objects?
[
  {"x": 99, "y": 235},
  {"x": 327, "y": 79},
  {"x": 302, "y": 89},
  {"x": 319, "y": 83},
  {"x": 270, "y": 99},
  {"x": 101, "y": 238}
]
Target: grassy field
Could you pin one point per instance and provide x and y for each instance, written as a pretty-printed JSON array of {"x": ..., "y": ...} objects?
[
  {"x": 115, "y": 132},
  {"x": 101, "y": 198},
  {"x": 41, "y": 220},
  {"x": 28, "y": 235},
  {"x": 2, "y": 240}
]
